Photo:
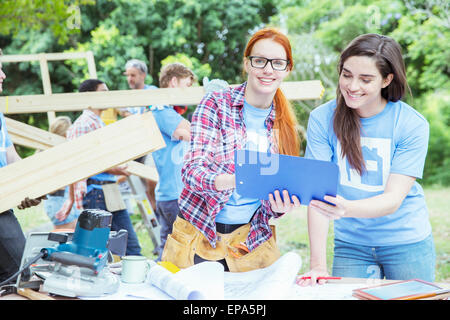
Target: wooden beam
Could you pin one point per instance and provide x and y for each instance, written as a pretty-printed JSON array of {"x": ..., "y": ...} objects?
[
  {"x": 78, "y": 159},
  {"x": 20, "y": 131},
  {"x": 26, "y": 142},
  {"x": 48, "y": 56},
  {"x": 299, "y": 90},
  {"x": 32, "y": 137},
  {"x": 47, "y": 86},
  {"x": 143, "y": 171}
]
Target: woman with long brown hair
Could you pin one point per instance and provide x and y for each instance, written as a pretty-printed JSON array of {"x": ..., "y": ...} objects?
[
  {"x": 381, "y": 222},
  {"x": 215, "y": 222}
]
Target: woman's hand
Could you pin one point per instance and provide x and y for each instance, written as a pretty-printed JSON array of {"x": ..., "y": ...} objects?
[
  {"x": 284, "y": 205},
  {"x": 339, "y": 210},
  {"x": 310, "y": 278},
  {"x": 62, "y": 214}
]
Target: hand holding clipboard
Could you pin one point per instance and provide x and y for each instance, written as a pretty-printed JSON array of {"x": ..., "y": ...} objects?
[{"x": 258, "y": 174}]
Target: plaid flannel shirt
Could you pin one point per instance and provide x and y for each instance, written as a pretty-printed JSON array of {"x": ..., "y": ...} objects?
[
  {"x": 86, "y": 122},
  {"x": 217, "y": 130}
]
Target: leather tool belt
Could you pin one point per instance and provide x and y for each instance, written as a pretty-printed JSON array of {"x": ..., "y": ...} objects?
[{"x": 186, "y": 241}]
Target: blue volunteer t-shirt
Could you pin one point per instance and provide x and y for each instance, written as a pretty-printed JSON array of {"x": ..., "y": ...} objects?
[
  {"x": 141, "y": 110},
  {"x": 393, "y": 141},
  {"x": 5, "y": 141},
  {"x": 239, "y": 209},
  {"x": 169, "y": 160}
]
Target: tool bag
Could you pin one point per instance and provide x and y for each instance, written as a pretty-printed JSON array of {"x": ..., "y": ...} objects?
[{"x": 186, "y": 241}]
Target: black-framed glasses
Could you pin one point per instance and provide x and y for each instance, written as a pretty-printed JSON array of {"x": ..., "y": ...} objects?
[{"x": 261, "y": 62}]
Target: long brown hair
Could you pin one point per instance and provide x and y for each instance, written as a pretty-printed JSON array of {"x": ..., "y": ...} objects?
[
  {"x": 285, "y": 124},
  {"x": 388, "y": 58}
]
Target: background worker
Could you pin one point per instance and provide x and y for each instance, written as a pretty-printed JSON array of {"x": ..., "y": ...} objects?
[
  {"x": 94, "y": 192},
  {"x": 55, "y": 200},
  {"x": 12, "y": 239},
  {"x": 136, "y": 72},
  {"x": 169, "y": 160}
]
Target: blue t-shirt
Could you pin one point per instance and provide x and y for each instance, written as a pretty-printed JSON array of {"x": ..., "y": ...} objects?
[
  {"x": 5, "y": 141},
  {"x": 393, "y": 141},
  {"x": 141, "y": 110},
  {"x": 239, "y": 209},
  {"x": 169, "y": 160}
]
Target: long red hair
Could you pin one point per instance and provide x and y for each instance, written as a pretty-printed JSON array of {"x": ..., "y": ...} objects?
[{"x": 286, "y": 125}]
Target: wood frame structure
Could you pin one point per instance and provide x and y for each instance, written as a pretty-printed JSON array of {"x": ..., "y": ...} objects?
[
  {"x": 295, "y": 90},
  {"x": 43, "y": 59}
]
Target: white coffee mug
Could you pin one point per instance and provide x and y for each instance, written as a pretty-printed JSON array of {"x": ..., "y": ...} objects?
[{"x": 134, "y": 269}]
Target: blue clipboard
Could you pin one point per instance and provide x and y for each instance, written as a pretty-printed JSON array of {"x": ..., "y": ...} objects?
[{"x": 259, "y": 173}]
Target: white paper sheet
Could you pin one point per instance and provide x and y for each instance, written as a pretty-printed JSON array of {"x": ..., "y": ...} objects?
[
  {"x": 273, "y": 282},
  {"x": 327, "y": 291},
  {"x": 199, "y": 282},
  {"x": 207, "y": 280}
]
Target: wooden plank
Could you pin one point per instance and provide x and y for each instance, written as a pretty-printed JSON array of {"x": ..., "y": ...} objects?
[
  {"x": 48, "y": 56},
  {"x": 38, "y": 136},
  {"x": 143, "y": 171},
  {"x": 299, "y": 90},
  {"x": 27, "y": 142},
  {"x": 78, "y": 159},
  {"x": 91, "y": 64},
  {"x": 46, "y": 84},
  {"x": 32, "y": 137}
]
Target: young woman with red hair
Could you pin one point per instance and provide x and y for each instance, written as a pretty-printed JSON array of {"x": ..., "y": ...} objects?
[{"x": 215, "y": 222}]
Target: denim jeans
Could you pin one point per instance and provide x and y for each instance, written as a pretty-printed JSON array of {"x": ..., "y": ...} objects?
[
  {"x": 12, "y": 243},
  {"x": 95, "y": 199},
  {"x": 399, "y": 262},
  {"x": 166, "y": 213},
  {"x": 52, "y": 206}
]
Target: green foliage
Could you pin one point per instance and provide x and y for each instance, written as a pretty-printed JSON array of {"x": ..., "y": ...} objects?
[
  {"x": 59, "y": 16},
  {"x": 111, "y": 51},
  {"x": 436, "y": 108},
  {"x": 320, "y": 30},
  {"x": 425, "y": 37}
]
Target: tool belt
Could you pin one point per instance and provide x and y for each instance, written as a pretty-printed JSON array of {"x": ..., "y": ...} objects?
[{"x": 186, "y": 241}]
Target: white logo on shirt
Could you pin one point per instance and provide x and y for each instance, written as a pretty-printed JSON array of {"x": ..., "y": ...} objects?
[{"x": 377, "y": 154}]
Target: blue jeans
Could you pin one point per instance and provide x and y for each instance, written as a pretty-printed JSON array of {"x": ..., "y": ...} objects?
[
  {"x": 95, "y": 199},
  {"x": 52, "y": 206},
  {"x": 166, "y": 213},
  {"x": 399, "y": 262}
]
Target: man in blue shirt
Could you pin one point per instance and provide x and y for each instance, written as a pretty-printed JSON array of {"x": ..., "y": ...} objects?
[
  {"x": 12, "y": 239},
  {"x": 136, "y": 72},
  {"x": 169, "y": 160}
]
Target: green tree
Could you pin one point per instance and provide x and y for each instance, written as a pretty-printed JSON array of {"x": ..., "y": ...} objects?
[
  {"x": 211, "y": 32},
  {"x": 320, "y": 30},
  {"x": 61, "y": 17}
]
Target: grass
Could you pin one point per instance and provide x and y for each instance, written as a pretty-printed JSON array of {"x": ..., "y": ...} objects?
[{"x": 292, "y": 231}]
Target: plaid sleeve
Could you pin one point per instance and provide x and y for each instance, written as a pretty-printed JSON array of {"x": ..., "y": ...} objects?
[
  {"x": 78, "y": 129},
  {"x": 196, "y": 173}
]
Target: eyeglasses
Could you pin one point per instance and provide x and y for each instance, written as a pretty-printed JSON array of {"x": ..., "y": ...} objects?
[{"x": 261, "y": 62}]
